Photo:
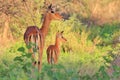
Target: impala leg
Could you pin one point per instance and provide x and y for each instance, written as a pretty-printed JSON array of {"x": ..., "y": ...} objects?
[
  {"x": 33, "y": 57},
  {"x": 34, "y": 61},
  {"x": 56, "y": 59},
  {"x": 40, "y": 59},
  {"x": 48, "y": 57}
]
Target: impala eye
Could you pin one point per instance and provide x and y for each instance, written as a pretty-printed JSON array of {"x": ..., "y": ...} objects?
[{"x": 52, "y": 11}]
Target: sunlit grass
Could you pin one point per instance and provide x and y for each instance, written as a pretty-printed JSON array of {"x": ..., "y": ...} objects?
[
  {"x": 83, "y": 61},
  {"x": 80, "y": 63}
]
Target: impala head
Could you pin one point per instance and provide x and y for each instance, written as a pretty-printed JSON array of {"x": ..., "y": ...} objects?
[
  {"x": 53, "y": 15},
  {"x": 60, "y": 37}
]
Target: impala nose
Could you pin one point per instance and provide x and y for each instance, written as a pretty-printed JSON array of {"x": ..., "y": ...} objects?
[{"x": 64, "y": 39}]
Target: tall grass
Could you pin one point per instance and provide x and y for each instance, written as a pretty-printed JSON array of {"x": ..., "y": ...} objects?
[{"x": 86, "y": 61}]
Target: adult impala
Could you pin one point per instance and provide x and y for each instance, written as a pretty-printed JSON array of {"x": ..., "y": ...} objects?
[
  {"x": 37, "y": 36},
  {"x": 53, "y": 51}
]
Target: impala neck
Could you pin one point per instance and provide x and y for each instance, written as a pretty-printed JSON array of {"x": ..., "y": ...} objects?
[
  {"x": 57, "y": 43},
  {"x": 45, "y": 26}
]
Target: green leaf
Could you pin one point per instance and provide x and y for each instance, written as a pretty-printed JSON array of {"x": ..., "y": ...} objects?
[
  {"x": 116, "y": 68},
  {"x": 116, "y": 74},
  {"x": 106, "y": 59},
  {"x": 102, "y": 69},
  {"x": 34, "y": 49},
  {"x": 28, "y": 64},
  {"x": 21, "y": 49},
  {"x": 75, "y": 79},
  {"x": 28, "y": 55},
  {"x": 18, "y": 58},
  {"x": 24, "y": 68},
  {"x": 99, "y": 78},
  {"x": 29, "y": 46}
]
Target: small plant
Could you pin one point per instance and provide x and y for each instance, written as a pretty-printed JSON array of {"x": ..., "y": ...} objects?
[{"x": 23, "y": 59}]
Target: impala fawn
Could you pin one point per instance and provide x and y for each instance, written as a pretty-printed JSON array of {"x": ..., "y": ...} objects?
[
  {"x": 37, "y": 36},
  {"x": 53, "y": 51}
]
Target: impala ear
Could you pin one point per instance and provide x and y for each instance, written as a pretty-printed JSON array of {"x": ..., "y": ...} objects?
[{"x": 50, "y": 6}]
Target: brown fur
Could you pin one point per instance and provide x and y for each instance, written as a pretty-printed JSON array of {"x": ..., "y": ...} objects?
[
  {"x": 53, "y": 51},
  {"x": 37, "y": 36}
]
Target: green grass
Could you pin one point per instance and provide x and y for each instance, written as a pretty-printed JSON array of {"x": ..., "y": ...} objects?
[
  {"x": 79, "y": 64},
  {"x": 71, "y": 66}
]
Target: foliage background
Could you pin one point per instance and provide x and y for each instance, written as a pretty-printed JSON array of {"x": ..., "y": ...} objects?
[{"x": 92, "y": 50}]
